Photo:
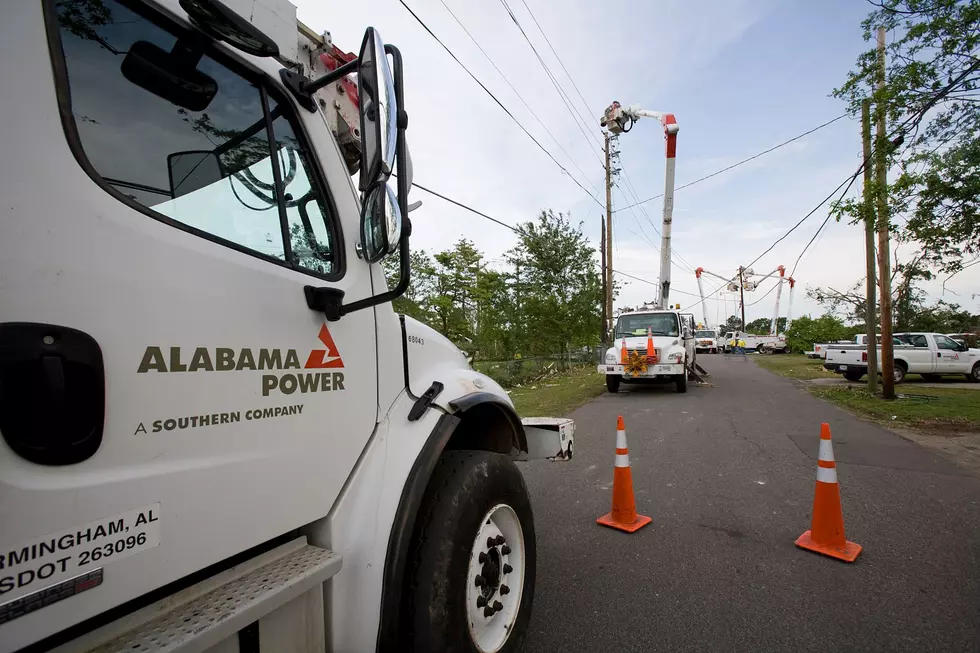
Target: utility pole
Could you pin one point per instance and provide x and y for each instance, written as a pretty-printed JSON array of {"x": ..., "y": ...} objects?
[
  {"x": 869, "y": 247},
  {"x": 604, "y": 331},
  {"x": 741, "y": 294},
  {"x": 884, "y": 264},
  {"x": 609, "y": 237}
]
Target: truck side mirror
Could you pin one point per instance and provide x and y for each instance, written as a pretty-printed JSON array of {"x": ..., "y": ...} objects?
[
  {"x": 378, "y": 109},
  {"x": 192, "y": 170},
  {"x": 381, "y": 223}
]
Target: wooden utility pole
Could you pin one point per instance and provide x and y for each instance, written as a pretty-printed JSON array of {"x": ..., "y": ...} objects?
[
  {"x": 741, "y": 294},
  {"x": 604, "y": 331},
  {"x": 869, "y": 246},
  {"x": 609, "y": 237},
  {"x": 884, "y": 264}
]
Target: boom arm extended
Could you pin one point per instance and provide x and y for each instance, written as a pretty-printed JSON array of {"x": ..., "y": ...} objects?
[{"x": 618, "y": 119}]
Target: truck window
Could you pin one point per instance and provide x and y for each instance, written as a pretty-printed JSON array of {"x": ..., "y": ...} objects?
[
  {"x": 209, "y": 172},
  {"x": 942, "y": 342},
  {"x": 705, "y": 334},
  {"x": 916, "y": 340},
  {"x": 660, "y": 324}
]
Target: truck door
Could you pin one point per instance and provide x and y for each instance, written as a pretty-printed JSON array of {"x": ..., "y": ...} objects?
[
  {"x": 168, "y": 399},
  {"x": 922, "y": 357},
  {"x": 687, "y": 332},
  {"x": 949, "y": 360}
]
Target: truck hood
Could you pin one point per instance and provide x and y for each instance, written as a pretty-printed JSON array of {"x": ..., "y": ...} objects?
[{"x": 433, "y": 357}]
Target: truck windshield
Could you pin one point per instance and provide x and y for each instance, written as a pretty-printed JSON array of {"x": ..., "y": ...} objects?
[
  {"x": 704, "y": 334},
  {"x": 660, "y": 324}
]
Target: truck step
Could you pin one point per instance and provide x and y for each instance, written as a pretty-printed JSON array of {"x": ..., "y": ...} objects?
[{"x": 199, "y": 621}]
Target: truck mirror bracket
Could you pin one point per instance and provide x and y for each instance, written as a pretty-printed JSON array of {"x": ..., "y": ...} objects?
[{"x": 328, "y": 301}]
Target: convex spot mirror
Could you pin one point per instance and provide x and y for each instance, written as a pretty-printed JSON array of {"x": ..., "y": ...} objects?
[
  {"x": 193, "y": 170},
  {"x": 379, "y": 111},
  {"x": 381, "y": 223}
]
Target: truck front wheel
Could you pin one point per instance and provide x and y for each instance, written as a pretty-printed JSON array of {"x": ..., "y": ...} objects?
[
  {"x": 680, "y": 384},
  {"x": 471, "y": 580},
  {"x": 974, "y": 375},
  {"x": 612, "y": 383}
]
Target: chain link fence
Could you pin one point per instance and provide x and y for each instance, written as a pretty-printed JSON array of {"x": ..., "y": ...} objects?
[{"x": 523, "y": 370}]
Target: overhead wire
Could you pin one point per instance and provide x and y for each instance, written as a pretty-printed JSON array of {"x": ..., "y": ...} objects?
[
  {"x": 499, "y": 103},
  {"x": 744, "y": 161},
  {"x": 561, "y": 93},
  {"x": 517, "y": 93}
]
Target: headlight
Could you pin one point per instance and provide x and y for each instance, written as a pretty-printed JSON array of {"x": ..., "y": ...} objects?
[
  {"x": 676, "y": 357},
  {"x": 611, "y": 359}
]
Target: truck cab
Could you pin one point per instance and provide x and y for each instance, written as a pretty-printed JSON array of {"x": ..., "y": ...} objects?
[
  {"x": 707, "y": 340},
  {"x": 630, "y": 360},
  {"x": 214, "y": 425}
]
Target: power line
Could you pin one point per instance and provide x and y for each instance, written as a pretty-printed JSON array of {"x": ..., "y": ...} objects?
[
  {"x": 769, "y": 292},
  {"x": 560, "y": 62},
  {"x": 517, "y": 93},
  {"x": 743, "y": 161},
  {"x": 561, "y": 94},
  {"x": 499, "y": 103}
]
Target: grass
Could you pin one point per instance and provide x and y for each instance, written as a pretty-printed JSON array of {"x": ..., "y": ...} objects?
[
  {"x": 558, "y": 395},
  {"x": 795, "y": 366},
  {"x": 934, "y": 409}
]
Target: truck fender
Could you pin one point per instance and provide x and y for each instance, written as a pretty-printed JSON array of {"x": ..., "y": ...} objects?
[{"x": 372, "y": 522}]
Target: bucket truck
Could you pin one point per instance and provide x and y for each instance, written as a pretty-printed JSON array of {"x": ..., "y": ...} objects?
[
  {"x": 216, "y": 434},
  {"x": 750, "y": 281},
  {"x": 670, "y": 347}
]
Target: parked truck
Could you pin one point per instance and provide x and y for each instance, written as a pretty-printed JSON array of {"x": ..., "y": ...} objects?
[
  {"x": 707, "y": 340},
  {"x": 673, "y": 352},
  {"x": 217, "y": 434},
  {"x": 820, "y": 349},
  {"x": 931, "y": 355}
]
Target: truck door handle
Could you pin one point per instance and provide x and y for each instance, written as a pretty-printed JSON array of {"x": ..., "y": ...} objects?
[
  {"x": 52, "y": 392},
  {"x": 939, "y": 354}
]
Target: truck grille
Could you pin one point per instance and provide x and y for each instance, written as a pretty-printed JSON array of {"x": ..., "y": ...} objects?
[{"x": 642, "y": 351}]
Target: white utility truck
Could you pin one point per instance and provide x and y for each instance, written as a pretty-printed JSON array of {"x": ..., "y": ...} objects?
[
  {"x": 673, "y": 342},
  {"x": 761, "y": 344},
  {"x": 707, "y": 340},
  {"x": 217, "y": 435},
  {"x": 931, "y": 355}
]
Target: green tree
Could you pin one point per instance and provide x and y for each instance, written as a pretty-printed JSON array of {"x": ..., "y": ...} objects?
[
  {"x": 733, "y": 323},
  {"x": 932, "y": 101},
  {"x": 761, "y": 326},
  {"x": 805, "y": 331},
  {"x": 558, "y": 288}
]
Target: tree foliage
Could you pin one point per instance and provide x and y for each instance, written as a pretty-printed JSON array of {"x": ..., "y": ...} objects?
[
  {"x": 805, "y": 330},
  {"x": 760, "y": 326},
  {"x": 545, "y": 299},
  {"x": 932, "y": 102}
]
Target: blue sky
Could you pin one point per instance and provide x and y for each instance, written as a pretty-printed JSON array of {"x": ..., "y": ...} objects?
[{"x": 740, "y": 76}]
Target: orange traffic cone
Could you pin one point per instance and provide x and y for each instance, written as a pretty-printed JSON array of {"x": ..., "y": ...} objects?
[
  {"x": 826, "y": 534},
  {"x": 623, "y": 516},
  {"x": 623, "y": 356},
  {"x": 651, "y": 352}
]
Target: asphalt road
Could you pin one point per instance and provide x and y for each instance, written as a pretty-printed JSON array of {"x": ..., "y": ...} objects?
[{"x": 727, "y": 474}]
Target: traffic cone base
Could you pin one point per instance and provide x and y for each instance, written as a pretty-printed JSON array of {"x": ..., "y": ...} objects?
[
  {"x": 848, "y": 554},
  {"x": 629, "y": 527}
]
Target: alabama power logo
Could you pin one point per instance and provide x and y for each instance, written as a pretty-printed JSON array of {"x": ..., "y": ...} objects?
[{"x": 273, "y": 361}]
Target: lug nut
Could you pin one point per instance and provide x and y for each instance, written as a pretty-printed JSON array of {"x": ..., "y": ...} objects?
[
  {"x": 500, "y": 539},
  {"x": 497, "y": 606},
  {"x": 503, "y": 590},
  {"x": 507, "y": 569},
  {"x": 482, "y": 558},
  {"x": 479, "y": 581},
  {"x": 481, "y": 601},
  {"x": 488, "y": 611},
  {"x": 490, "y": 542},
  {"x": 505, "y": 550}
]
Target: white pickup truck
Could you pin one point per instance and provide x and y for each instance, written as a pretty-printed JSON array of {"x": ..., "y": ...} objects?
[
  {"x": 931, "y": 355},
  {"x": 820, "y": 349}
]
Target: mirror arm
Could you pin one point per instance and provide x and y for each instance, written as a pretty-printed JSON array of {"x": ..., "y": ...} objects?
[
  {"x": 303, "y": 89},
  {"x": 329, "y": 300}
]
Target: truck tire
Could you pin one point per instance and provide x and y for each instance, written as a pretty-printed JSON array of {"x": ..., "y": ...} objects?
[
  {"x": 470, "y": 583},
  {"x": 853, "y": 376},
  {"x": 680, "y": 383},
  {"x": 900, "y": 371},
  {"x": 974, "y": 375},
  {"x": 612, "y": 383}
]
